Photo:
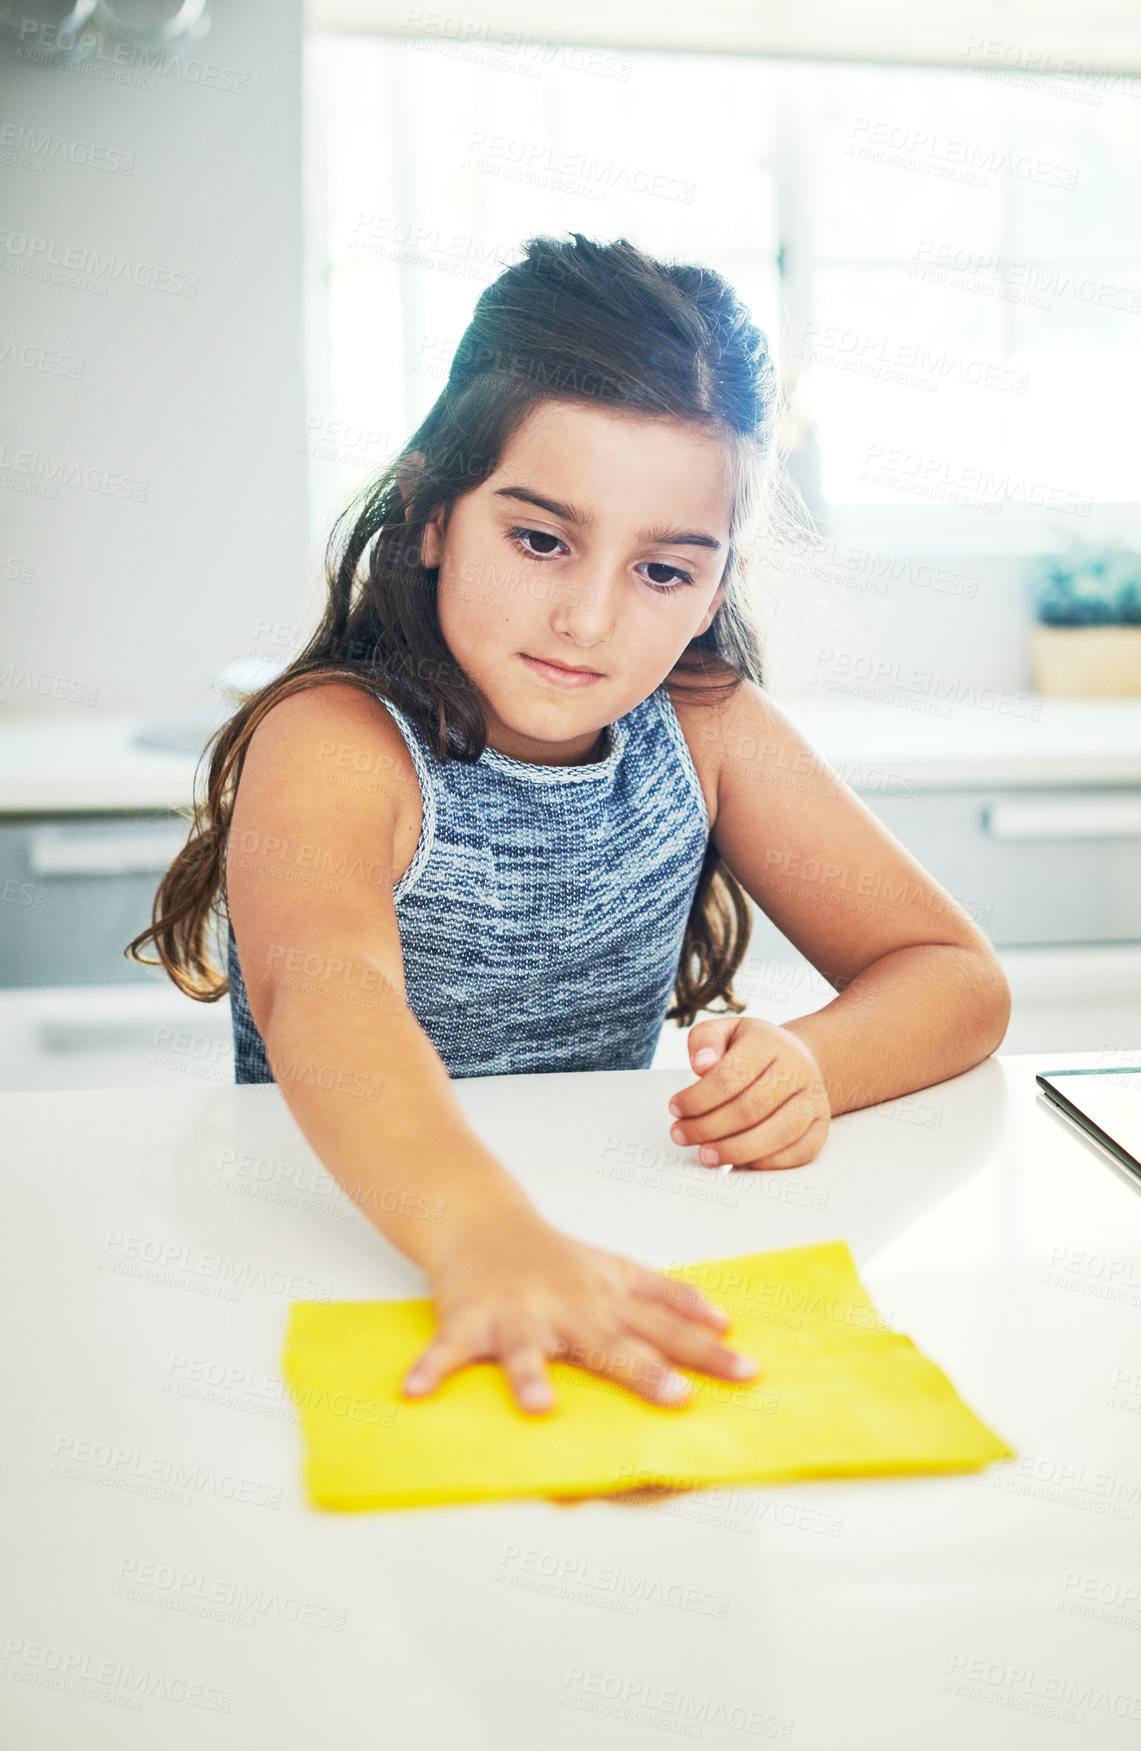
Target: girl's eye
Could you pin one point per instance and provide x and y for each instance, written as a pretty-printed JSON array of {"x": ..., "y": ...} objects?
[
  {"x": 661, "y": 586},
  {"x": 520, "y": 536},
  {"x": 523, "y": 537}
]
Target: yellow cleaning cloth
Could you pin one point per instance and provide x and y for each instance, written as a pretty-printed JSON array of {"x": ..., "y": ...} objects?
[{"x": 837, "y": 1394}]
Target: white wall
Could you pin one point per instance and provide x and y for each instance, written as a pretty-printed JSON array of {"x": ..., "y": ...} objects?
[{"x": 133, "y": 603}]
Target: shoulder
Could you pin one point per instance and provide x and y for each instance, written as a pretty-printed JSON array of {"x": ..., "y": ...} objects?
[
  {"x": 331, "y": 748},
  {"x": 737, "y": 716},
  {"x": 324, "y": 824},
  {"x": 331, "y": 705},
  {"x": 330, "y": 727}
]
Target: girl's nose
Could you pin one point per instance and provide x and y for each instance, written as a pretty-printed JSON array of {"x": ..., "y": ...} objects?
[{"x": 585, "y": 608}]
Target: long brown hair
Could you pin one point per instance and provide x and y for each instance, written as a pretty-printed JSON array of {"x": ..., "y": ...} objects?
[{"x": 577, "y": 320}]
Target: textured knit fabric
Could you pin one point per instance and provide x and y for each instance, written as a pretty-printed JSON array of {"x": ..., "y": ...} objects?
[{"x": 542, "y": 916}]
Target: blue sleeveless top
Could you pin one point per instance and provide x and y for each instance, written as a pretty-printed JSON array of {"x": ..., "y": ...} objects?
[{"x": 542, "y": 916}]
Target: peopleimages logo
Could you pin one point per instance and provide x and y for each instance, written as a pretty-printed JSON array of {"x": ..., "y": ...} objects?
[
  {"x": 1037, "y": 283},
  {"x": 113, "y": 1681},
  {"x": 88, "y": 269},
  {"x": 851, "y": 671},
  {"x": 955, "y": 159},
  {"x": 49, "y": 473},
  {"x": 172, "y": 1262},
  {"x": 127, "y": 1468},
  {"x": 123, "y": 63},
  {"x": 592, "y": 1583},
  {"x": 27, "y": 148},
  {"x": 1047, "y": 1693},
  {"x": 643, "y": 1702}
]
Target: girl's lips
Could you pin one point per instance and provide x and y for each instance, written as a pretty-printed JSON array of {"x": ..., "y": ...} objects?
[{"x": 560, "y": 677}]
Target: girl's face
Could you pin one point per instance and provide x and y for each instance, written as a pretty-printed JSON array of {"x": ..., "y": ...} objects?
[{"x": 598, "y": 544}]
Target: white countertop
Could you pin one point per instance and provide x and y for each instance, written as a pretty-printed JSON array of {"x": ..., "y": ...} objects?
[
  {"x": 89, "y": 763},
  {"x": 929, "y": 1611},
  {"x": 92, "y": 763},
  {"x": 1068, "y": 741}
]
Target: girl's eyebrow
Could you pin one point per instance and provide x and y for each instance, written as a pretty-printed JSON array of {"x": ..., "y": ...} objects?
[{"x": 672, "y": 537}]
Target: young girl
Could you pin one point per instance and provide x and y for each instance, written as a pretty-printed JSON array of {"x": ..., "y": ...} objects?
[{"x": 517, "y": 792}]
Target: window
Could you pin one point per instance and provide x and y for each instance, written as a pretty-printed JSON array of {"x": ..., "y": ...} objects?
[
  {"x": 971, "y": 322},
  {"x": 947, "y": 262}
]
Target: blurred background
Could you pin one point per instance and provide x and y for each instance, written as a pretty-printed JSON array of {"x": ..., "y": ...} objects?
[{"x": 240, "y": 240}]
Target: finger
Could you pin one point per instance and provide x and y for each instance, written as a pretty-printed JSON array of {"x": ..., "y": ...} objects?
[
  {"x": 447, "y": 1352},
  {"x": 748, "y": 1055},
  {"x": 709, "y": 1040},
  {"x": 783, "y": 1130},
  {"x": 765, "y": 1095},
  {"x": 525, "y": 1366},
  {"x": 682, "y": 1297},
  {"x": 632, "y": 1362},
  {"x": 677, "y": 1339},
  {"x": 798, "y": 1154}
]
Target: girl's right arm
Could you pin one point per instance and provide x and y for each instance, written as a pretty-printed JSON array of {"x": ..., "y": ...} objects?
[{"x": 321, "y": 815}]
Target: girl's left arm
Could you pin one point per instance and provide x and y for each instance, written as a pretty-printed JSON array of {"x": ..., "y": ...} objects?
[{"x": 921, "y": 994}]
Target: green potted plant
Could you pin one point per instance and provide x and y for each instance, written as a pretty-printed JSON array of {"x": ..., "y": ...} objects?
[{"x": 1088, "y": 637}]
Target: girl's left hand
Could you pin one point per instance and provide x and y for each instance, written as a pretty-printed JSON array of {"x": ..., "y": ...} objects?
[{"x": 761, "y": 1101}]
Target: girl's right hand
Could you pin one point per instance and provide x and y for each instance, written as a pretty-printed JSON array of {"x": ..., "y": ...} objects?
[{"x": 518, "y": 1292}]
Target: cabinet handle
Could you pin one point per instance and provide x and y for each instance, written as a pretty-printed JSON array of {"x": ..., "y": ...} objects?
[
  {"x": 59, "y": 851},
  {"x": 1079, "y": 817}
]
